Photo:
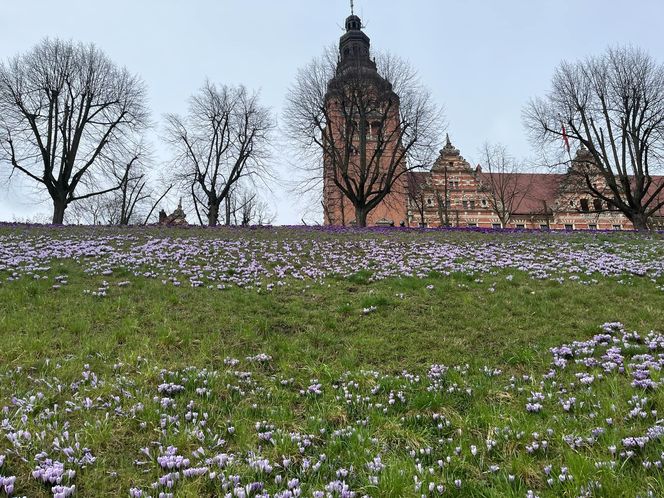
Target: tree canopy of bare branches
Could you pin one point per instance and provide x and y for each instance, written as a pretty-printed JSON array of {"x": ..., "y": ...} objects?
[
  {"x": 130, "y": 204},
  {"x": 613, "y": 105},
  {"x": 66, "y": 113},
  {"x": 245, "y": 207},
  {"x": 224, "y": 138},
  {"x": 361, "y": 129},
  {"x": 503, "y": 183}
]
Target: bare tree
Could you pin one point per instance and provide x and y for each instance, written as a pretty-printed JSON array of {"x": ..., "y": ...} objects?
[
  {"x": 238, "y": 202},
  {"x": 233, "y": 204},
  {"x": 330, "y": 206},
  {"x": 90, "y": 211},
  {"x": 244, "y": 207},
  {"x": 65, "y": 110},
  {"x": 223, "y": 139},
  {"x": 131, "y": 203},
  {"x": 443, "y": 201},
  {"x": 502, "y": 182},
  {"x": 417, "y": 197},
  {"x": 613, "y": 105},
  {"x": 116, "y": 206},
  {"x": 360, "y": 125},
  {"x": 120, "y": 205},
  {"x": 132, "y": 193},
  {"x": 255, "y": 211}
]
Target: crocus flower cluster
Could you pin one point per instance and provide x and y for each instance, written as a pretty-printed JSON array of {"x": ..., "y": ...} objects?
[
  {"x": 222, "y": 430},
  {"x": 268, "y": 259}
]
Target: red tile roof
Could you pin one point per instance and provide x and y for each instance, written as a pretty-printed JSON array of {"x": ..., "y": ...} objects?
[{"x": 532, "y": 190}]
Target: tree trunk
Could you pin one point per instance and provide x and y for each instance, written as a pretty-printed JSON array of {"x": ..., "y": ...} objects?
[
  {"x": 361, "y": 217},
  {"x": 124, "y": 217},
  {"x": 213, "y": 214},
  {"x": 640, "y": 222},
  {"x": 59, "y": 207},
  {"x": 227, "y": 203}
]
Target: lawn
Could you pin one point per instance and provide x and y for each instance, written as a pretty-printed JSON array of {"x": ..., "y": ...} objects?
[{"x": 312, "y": 362}]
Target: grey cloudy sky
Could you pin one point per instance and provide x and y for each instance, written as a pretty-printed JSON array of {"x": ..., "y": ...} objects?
[{"x": 482, "y": 59}]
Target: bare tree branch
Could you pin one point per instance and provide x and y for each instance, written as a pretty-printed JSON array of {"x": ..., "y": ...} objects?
[
  {"x": 156, "y": 203},
  {"x": 502, "y": 182}
]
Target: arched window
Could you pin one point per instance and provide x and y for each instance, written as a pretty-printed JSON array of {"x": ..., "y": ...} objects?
[{"x": 597, "y": 204}]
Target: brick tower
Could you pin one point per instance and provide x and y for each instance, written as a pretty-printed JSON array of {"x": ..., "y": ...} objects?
[{"x": 366, "y": 133}]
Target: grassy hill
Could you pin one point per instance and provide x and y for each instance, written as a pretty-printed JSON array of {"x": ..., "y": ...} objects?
[{"x": 135, "y": 362}]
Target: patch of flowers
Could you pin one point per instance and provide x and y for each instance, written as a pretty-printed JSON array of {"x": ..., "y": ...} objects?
[
  {"x": 247, "y": 430},
  {"x": 271, "y": 258}
]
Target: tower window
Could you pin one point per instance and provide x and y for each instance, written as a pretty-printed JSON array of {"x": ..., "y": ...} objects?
[
  {"x": 374, "y": 129},
  {"x": 585, "y": 206}
]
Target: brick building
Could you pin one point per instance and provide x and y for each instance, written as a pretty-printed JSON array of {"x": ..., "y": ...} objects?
[
  {"x": 372, "y": 113},
  {"x": 454, "y": 193}
]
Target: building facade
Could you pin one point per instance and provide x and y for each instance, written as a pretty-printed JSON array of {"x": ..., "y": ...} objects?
[{"x": 452, "y": 192}]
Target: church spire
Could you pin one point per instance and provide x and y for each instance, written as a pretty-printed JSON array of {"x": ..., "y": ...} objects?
[{"x": 354, "y": 45}]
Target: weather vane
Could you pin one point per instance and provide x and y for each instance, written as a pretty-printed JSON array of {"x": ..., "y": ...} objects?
[{"x": 352, "y": 8}]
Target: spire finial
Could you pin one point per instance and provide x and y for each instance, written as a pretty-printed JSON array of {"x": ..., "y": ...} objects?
[
  {"x": 352, "y": 8},
  {"x": 449, "y": 149}
]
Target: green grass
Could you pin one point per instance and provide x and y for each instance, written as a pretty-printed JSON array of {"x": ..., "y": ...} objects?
[
  {"x": 455, "y": 322},
  {"x": 319, "y": 332}
]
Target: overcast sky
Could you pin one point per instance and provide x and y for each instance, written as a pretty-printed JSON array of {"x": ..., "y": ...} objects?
[{"x": 482, "y": 60}]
